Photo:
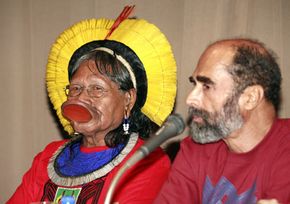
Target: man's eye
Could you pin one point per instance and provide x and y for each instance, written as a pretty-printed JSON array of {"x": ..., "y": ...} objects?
[{"x": 206, "y": 86}]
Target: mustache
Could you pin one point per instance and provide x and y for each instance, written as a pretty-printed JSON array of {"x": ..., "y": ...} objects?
[{"x": 197, "y": 112}]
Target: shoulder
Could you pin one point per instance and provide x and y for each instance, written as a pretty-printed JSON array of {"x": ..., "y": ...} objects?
[
  {"x": 157, "y": 158},
  {"x": 40, "y": 161},
  {"x": 284, "y": 124},
  {"x": 157, "y": 162},
  {"x": 189, "y": 146},
  {"x": 53, "y": 146},
  {"x": 275, "y": 148},
  {"x": 285, "y": 128},
  {"x": 49, "y": 150},
  {"x": 279, "y": 134}
]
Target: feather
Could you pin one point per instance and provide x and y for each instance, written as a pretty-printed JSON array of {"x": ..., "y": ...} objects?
[{"x": 123, "y": 15}]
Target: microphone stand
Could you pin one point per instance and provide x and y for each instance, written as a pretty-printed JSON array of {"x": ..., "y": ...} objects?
[
  {"x": 138, "y": 155},
  {"x": 174, "y": 125}
]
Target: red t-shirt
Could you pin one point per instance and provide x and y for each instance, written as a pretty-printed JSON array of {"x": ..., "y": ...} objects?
[
  {"x": 210, "y": 173},
  {"x": 138, "y": 185}
]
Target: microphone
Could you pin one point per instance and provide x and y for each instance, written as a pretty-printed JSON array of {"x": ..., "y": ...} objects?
[{"x": 174, "y": 125}]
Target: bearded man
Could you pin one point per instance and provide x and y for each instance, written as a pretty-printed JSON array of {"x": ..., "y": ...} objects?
[{"x": 238, "y": 150}]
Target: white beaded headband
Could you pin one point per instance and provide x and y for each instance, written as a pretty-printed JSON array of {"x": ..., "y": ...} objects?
[{"x": 122, "y": 60}]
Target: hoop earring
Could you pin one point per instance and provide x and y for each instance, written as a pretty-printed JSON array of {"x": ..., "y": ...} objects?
[{"x": 126, "y": 124}]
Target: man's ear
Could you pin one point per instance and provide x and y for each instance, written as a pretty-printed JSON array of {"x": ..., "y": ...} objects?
[
  {"x": 251, "y": 97},
  {"x": 130, "y": 98}
]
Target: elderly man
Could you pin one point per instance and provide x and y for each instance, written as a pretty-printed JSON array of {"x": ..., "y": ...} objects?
[{"x": 238, "y": 150}]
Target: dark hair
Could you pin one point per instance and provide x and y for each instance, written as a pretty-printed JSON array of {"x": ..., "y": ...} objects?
[
  {"x": 112, "y": 68},
  {"x": 253, "y": 64}
]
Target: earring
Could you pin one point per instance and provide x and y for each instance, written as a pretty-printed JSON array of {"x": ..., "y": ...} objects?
[
  {"x": 76, "y": 134},
  {"x": 126, "y": 123}
]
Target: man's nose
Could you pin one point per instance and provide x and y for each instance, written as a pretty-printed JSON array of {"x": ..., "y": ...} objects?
[{"x": 194, "y": 97}]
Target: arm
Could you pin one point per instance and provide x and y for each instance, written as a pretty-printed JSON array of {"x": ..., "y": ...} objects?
[
  {"x": 31, "y": 187},
  {"x": 26, "y": 190}
]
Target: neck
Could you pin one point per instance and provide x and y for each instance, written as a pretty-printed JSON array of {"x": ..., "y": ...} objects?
[
  {"x": 92, "y": 141},
  {"x": 257, "y": 124}
]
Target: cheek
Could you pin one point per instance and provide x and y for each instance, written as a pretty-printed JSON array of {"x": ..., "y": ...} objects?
[
  {"x": 216, "y": 101},
  {"x": 112, "y": 110},
  {"x": 209, "y": 104}
]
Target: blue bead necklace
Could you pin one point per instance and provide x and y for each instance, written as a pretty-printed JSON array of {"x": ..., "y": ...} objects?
[{"x": 73, "y": 162}]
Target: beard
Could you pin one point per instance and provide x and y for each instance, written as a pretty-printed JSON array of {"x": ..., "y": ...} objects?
[{"x": 215, "y": 126}]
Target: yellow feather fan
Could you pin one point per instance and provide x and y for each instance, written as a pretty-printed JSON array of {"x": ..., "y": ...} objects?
[{"x": 144, "y": 38}]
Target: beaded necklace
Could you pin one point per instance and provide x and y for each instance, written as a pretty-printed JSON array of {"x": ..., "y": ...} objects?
[
  {"x": 73, "y": 162},
  {"x": 69, "y": 166}
]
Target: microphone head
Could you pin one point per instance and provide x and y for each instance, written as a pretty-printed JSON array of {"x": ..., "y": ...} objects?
[
  {"x": 177, "y": 123},
  {"x": 173, "y": 126}
]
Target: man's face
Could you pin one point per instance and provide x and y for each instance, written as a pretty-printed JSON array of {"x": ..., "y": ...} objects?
[
  {"x": 217, "y": 125},
  {"x": 214, "y": 105}
]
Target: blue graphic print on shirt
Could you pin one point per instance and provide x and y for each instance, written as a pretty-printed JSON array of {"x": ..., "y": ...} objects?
[{"x": 225, "y": 192}]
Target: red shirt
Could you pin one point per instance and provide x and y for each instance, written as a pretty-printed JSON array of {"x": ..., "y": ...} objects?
[
  {"x": 139, "y": 184},
  {"x": 210, "y": 173}
]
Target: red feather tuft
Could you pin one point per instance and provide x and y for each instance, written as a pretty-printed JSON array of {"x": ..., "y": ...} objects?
[{"x": 123, "y": 15}]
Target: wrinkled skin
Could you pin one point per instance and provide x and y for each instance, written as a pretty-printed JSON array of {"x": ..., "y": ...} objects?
[{"x": 106, "y": 112}]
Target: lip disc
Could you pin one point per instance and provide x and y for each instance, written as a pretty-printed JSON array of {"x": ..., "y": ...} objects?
[{"x": 75, "y": 112}]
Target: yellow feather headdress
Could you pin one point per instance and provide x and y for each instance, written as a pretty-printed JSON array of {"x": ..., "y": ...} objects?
[{"x": 144, "y": 38}]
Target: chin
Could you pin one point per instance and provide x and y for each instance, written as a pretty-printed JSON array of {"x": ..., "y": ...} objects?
[
  {"x": 84, "y": 128},
  {"x": 205, "y": 139}
]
